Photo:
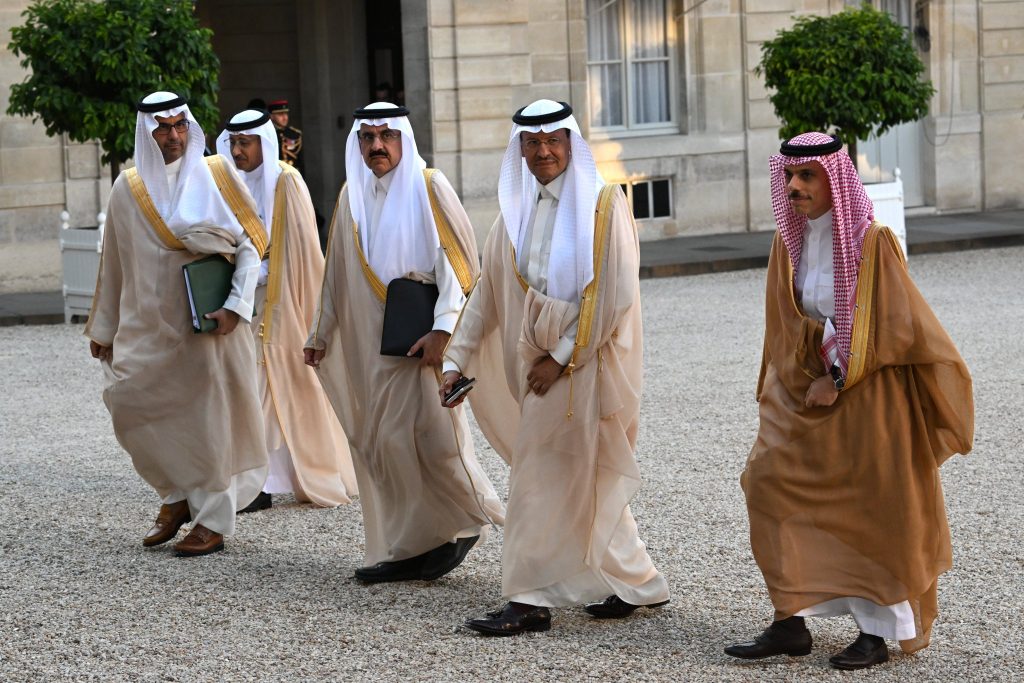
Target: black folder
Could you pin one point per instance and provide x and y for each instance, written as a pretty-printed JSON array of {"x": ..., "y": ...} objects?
[
  {"x": 208, "y": 285},
  {"x": 408, "y": 315}
]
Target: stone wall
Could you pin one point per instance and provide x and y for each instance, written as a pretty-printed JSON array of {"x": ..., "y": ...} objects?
[
  {"x": 40, "y": 176},
  {"x": 488, "y": 58},
  {"x": 470, "y": 63},
  {"x": 1002, "y": 95}
]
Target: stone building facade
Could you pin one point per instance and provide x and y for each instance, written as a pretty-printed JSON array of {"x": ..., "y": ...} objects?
[{"x": 665, "y": 90}]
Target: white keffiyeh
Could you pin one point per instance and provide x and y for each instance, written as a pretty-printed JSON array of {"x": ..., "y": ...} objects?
[
  {"x": 404, "y": 240},
  {"x": 262, "y": 181},
  {"x": 195, "y": 199},
  {"x": 571, "y": 265}
]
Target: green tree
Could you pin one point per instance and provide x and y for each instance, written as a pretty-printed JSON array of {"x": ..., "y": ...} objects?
[
  {"x": 851, "y": 74},
  {"x": 91, "y": 61}
]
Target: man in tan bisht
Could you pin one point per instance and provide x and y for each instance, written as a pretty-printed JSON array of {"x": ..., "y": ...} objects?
[
  {"x": 862, "y": 396},
  {"x": 308, "y": 451},
  {"x": 425, "y": 500},
  {"x": 184, "y": 405},
  {"x": 554, "y": 336}
]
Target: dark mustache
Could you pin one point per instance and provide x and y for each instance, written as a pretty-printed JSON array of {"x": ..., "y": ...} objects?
[
  {"x": 795, "y": 195},
  {"x": 378, "y": 153}
]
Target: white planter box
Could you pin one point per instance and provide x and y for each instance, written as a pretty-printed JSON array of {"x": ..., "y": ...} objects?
[
  {"x": 80, "y": 250},
  {"x": 888, "y": 201}
]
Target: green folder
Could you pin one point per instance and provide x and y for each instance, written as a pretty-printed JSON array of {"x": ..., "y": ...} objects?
[{"x": 208, "y": 284}]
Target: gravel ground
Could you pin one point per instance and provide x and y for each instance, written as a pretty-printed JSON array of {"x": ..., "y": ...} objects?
[{"x": 80, "y": 599}]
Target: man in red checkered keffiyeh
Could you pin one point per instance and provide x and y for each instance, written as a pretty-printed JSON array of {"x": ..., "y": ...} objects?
[
  {"x": 852, "y": 213},
  {"x": 862, "y": 396}
]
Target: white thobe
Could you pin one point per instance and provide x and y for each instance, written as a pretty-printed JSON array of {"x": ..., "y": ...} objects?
[
  {"x": 450, "y": 298},
  {"x": 254, "y": 181},
  {"x": 281, "y": 477},
  {"x": 216, "y": 509},
  {"x": 535, "y": 257}
]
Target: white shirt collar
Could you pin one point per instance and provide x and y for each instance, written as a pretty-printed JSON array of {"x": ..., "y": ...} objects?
[
  {"x": 554, "y": 188},
  {"x": 384, "y": 181},
  {"x": 822, "y": 222}
]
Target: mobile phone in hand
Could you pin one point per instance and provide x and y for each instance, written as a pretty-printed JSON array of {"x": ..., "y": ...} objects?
[{"x": 459, "y": 389}]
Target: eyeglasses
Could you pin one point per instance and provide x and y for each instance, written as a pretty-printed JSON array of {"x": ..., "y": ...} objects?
[
  {"x": 534, "y": 144},
  {"x": 165, "y": 128},
  {"x": 386, "y": 135}
]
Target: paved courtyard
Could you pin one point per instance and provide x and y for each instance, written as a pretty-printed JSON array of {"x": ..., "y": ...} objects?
[{"x": 80, "y": 599}]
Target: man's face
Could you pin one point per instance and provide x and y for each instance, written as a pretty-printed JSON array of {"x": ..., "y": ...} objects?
[
  {"x": 171, "y": 135},
  {"x": 247, "y": 151},
  {"x": 547, "y": 154},
  {"x": 280, "y": 118},
  {"x": 809, "y": 190},
  {"x": 381, "y": 148}
]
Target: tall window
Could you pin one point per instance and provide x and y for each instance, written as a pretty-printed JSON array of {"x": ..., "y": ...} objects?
[{"x": 628, "y": 63}]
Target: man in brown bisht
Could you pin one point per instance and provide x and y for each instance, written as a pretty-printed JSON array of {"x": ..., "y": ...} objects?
[
  {"x": 554, "y": 336},
  {"x": 184, "y": 405},
  {"x": 426, "y": 502},
  {"x": 862, "y": 397},
  {"x": 308, "y": 451}
]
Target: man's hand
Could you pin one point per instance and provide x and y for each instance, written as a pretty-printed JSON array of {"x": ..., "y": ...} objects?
[
  {"x": 100, "y": 351},
  {"x": 821, "y": 393},
  {"x": 448, "y": 380},
  {"x": 312, "y": 357},
  {"x": 543, "y": 374},
  {"x": 433, "y": 344},
  {"x": 226, "y": 321}
]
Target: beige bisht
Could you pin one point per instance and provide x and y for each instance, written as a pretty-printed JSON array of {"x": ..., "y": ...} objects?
[
  {"x": 183, "y": 405},
  {"x": 419, "y": 481},
  {"x": 845, "y": 500},
  {"x": 294, "y": 398},
  {"x": 570, "y": 536}
]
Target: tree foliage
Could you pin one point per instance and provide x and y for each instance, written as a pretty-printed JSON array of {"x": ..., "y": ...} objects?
[
  {"x": 851, "y": 74},
  {"x": 91, "y": 61}
]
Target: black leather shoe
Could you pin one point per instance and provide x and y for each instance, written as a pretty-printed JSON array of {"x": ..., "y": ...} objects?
[
  {"x": 614, "y": 607},
  {"x": 261, "y": 502},
  {"x": 445, "y": 558},
  {"x": 514, "y": 618},
  {"x": 866, "y": 651},
  {"x": 402, "y": 570},
  {"x": 786, "y": 637}
]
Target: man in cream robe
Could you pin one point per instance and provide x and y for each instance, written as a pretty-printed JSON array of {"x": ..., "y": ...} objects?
[
  {"x": 425, "y": 500},
  {"x": 184, "y": 405},
  {"x": 554, "y": 336},
  {"x": 308, "y": 451},
  {"x": 862, "y": 397}
]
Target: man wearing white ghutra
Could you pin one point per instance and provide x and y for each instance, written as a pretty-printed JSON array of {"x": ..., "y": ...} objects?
[
  {"x": 553, "y": 334},
  {"x": 426, "y": 501}
]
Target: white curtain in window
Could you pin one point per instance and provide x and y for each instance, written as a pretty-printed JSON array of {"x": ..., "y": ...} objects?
[
  {"x": 900, "y": 11},
  {"x": 604, "y": 58},
  {"x": 649, "y": 86}
]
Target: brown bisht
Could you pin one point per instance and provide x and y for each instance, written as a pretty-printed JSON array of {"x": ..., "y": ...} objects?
[{"x": 846, "y": 500}]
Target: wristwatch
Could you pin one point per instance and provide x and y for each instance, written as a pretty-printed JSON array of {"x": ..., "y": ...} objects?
[{"x": 837, "y": 377}]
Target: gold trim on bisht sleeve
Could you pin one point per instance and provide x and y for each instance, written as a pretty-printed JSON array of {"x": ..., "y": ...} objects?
[
  {"x": 247, "y": 218},
  {"x": 145, "y": 202},
  {"x": 277, "y": 247},
  {"x": 447, "y": 238}
]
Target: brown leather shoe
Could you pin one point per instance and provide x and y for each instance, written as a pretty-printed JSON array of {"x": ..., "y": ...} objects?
[
  {"x": 167, "y": 523},
  {"x": 200, "y": 541}
]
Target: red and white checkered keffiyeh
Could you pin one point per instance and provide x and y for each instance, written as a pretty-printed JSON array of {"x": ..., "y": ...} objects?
[{"x": 852, "y": 213}]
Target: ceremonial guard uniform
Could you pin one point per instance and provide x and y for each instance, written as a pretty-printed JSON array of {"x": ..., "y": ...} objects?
[{"x": 289, "y": 138}]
